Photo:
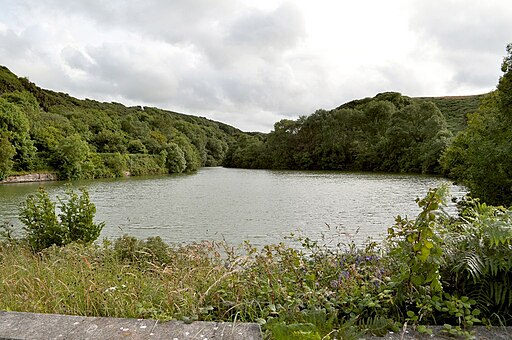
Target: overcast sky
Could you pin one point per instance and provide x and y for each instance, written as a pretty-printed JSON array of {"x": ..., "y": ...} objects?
[{"x": 250, "y": 63}]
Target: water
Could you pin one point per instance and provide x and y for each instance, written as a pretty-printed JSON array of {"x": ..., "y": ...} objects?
[{"x": 261, "y": 206}]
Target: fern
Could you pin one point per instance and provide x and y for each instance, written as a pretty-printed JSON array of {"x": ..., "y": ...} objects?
[
  {"x": 478, "y": 256},
  {"x": 377, "y": 325}
]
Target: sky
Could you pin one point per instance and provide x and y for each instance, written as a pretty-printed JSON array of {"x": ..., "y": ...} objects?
[{"x": 251, "y": 63}]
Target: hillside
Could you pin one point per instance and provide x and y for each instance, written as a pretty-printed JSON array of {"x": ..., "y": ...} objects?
[
  {"x": 389, "y": 132},
  {"x": 46, "y": 130},
  {"x": 455, "y": 109}
]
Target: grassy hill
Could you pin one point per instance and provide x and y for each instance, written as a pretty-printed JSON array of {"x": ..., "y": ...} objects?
[{"x": 455, "y": 108}]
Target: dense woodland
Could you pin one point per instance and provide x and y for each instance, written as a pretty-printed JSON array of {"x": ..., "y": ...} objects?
[
  {"x": 466, "y": 138},
  {"x": 45, "y": 130}
]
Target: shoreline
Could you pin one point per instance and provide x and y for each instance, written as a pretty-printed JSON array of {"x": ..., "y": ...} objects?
[{"x": 35, "y": 177}]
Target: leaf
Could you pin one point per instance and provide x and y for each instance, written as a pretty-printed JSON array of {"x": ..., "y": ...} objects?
[{"x": 418, "y": 280}]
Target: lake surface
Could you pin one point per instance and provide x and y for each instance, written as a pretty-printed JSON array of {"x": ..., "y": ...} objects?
[{"x": 261, "y": 206}]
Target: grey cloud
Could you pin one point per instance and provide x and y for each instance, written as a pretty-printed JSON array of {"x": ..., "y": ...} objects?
[
  {"x": 128, "y": 74},
  {"x": 176, "y": 22},
  {"x": 279, "y": 29},
  {"x": 481, "y": 26},
  {"x": 472, "y": 38},
  {"x": 76, "y": 59},
  {"x": 13, "y": 45}
]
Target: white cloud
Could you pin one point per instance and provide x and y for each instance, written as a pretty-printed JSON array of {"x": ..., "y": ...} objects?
[{"x": 250, "y": 63}]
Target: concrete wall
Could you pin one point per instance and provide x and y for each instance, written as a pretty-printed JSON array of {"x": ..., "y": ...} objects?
[{"x": 30, "y": 178}]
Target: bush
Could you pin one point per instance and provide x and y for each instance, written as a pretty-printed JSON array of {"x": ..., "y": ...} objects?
[{"x": 74, "y": 224}]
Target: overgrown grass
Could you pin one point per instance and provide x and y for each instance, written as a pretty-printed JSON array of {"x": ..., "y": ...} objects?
[{"x": 301, "y": 291}]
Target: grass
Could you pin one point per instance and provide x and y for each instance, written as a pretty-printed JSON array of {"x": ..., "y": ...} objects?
[
  {"x": 303, "y": 290},
  {"x": 277, "y": 285}
]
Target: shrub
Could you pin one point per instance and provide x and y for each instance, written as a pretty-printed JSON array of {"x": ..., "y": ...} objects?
[
  {"x": 74, "y": 224},
  {"x": 77, "y": 217},
  {"x": 478, "y": 257},
  {"x": 41, "y": 224}
]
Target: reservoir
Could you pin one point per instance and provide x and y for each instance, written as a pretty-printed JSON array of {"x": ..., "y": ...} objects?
[{"x": 261, "y": 206}]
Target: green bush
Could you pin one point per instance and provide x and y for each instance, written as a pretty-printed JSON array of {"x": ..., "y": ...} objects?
[
  {"x": 141, "y": 164},
  {"x": 41, "y": 224},
  {"x": 74, "y": 223}
]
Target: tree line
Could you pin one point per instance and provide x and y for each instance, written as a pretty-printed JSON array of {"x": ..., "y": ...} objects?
[{"x": 46, "y": 130}]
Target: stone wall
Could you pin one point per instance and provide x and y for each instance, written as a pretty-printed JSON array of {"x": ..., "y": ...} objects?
[{"x": 30, "y": 178}]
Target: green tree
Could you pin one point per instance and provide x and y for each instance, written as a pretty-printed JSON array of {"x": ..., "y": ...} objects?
[
  {"x": 7, "y": 152},
  {"x": 15, "y": 125},
  {"x": 72, "y": 158},
  {"x": 481, "y": 155},
  {"x": 192, "y": 156},
  {"x": 416, "y": 138},
  {"x": 75, "y": 223},
  {"x": 77, "y": 217},
  {"x": 41, "y": 224},
  {"x": 175, "y": 159}
]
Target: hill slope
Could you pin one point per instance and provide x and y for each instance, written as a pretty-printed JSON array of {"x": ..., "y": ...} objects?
[
  {"x": 43, "y": 129},
  {"x": 389, "y": 132}
]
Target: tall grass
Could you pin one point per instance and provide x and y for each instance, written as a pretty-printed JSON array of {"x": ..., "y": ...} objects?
[{"x": 313, "y": 290}]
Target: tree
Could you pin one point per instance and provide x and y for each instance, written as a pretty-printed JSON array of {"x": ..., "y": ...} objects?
[
  {"x": 7, "y": 152},
  {"x": 416, "y": 138},
  {"x": 175, "y": 159},
  {"x": 73, "y": 158},
  {"x": 75, "y": 223},
  {"x": 41, "y": 224},
  {"x": 15, "y": 125},
  {"x": 481, "y": 155}
]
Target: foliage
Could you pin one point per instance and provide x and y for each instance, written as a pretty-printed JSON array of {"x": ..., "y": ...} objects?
[
  {"x": 389, "y": 132},
  {"x": 77, "y": 217},
  {"x": 175, "y": 158},
  {"x": 426, "y": 273},
  {"x": 41, "y": 223},
  {"x": 415, "y": 255},
  {"x": 455, "y": 109},
  {"x": 7, "y": 152},
  {"x": 53, "y": 131},
  {"x": 140, "y": 164},
  {"x": 74, "y": 223},
  {"x": 73, "y": 158},
  {"x": 478, "y": 263},
  {"x": 481, "y": 155},
  {"x": 14, "y": 126}
]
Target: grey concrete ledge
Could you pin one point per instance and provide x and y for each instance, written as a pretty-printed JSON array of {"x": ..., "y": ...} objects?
[
  {"x": 16, "y": 325},
  {"x": 479, "y": 333},
  {"x": 36, "y": 177}
]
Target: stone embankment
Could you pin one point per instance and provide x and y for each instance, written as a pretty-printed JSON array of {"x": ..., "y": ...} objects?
[{"x": 39, "y": 177}]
